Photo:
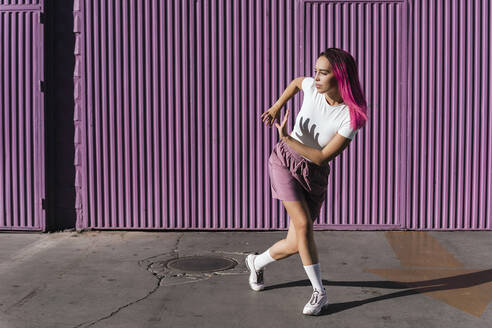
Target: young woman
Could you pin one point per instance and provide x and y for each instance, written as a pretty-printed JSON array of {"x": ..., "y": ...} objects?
[{"x": 333, "y": 110}]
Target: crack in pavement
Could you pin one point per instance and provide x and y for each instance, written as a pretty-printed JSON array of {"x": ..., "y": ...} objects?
[
  {"x": 164, "y": 277},
  {"x": 122, "y": 307},
  {"x": 148, "y": 268},
  {"x": 119, "y": 309},
  {"x": 177, "y": 243}
]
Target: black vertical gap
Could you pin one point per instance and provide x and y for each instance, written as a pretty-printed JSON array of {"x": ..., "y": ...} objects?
[
  {"x": 100, "y": 164},
  {"x": 215, "y": 91},
  {"x": 179, "y": 69},
  {"x": 487, "y": 131},
  {"x": 13, "y": 118},
  {"x": 88, "y": 97},
  {"x": 476, "y": 116},
  {"x": 94, "y": 114},
  {"x": 114, "y": 14},
  {"x": 150, "y": 100},
  {"x": 226, "y": 113},
  {"x": 188, "y": 103},
  {"x": 166, "y": 104},
  {"x": 151, "y": 130},
  {"x": 144, "y": 36},
  {"x": 172, "y": 43},
  {"x": 160, "y": 108},
  {"x": 9, "y": 122},
  {"x": 193, "y": 95},
  {"x": 131, "y": 80},
  {"x": 32, "y": 107},
  {"x": 16, "y": 155},
  {"x": 137, "y": 163},
  {"x": 22, "y": 124},
  {"x": 200, "y": 34},
  {"x": 107, "y": 108},
  {"x": 434, "y": 113},
  {"x": 208, "y": 106},
  {"x": 122, "y": 68},
  {"x": 442, "y": 136},
  {"x": 3, "y": 97}
]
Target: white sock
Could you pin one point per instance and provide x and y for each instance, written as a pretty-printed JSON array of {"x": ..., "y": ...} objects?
[
  {"x": 314, "y": 273},
  {"x": 263, "y": 259}
]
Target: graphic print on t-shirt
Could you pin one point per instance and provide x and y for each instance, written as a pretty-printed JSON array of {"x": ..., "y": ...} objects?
[
  {"x": 318, "y": 122},
  {"x": 307, "y": 133}
]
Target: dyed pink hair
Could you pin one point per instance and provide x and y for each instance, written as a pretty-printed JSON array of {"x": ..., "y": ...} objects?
[{"x": 345, "y": 70}]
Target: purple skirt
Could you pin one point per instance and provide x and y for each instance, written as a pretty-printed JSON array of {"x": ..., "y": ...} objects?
[{"x": 294, "y": 178}]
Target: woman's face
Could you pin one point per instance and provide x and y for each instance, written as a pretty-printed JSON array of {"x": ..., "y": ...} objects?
[{"x": 325, "y": 80}]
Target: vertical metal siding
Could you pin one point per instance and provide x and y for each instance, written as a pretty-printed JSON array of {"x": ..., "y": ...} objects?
[
  {"x": 366, "y": 181},
  {"x": 169, "y": 95},
  {"x": 21, "y": 116},
  {"x": 449, "y": 143},
  {"x": 168, "y": 102}
]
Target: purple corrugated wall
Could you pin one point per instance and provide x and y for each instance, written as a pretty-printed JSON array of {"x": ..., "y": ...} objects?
[
  {"x": 22, "y": 180},
  {"x": 449, "y": 144},
  {"x": 366, "y": 185},
  {"x": 168, "y": 98}
]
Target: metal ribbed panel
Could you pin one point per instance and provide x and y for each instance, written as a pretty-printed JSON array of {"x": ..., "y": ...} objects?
[
  {"x": 21, "y": 117},
  {"x": 169, "y": 97},
  {"x": 19, "y": 2},
  {"x": 449, "y": 141},
  {"x": 16, "y": 5},
  {"x": 366, "y": 180},
  {"x": 168, "y": 119}
]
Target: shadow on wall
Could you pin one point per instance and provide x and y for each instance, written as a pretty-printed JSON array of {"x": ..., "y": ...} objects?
[{"x": 59, "y": 67}]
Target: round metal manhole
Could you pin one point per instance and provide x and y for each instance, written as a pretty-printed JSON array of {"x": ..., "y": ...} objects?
[{"x": 201, "y": 264}]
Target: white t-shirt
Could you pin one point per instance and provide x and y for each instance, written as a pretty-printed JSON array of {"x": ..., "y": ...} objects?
[{"x": 317, "y": 122}]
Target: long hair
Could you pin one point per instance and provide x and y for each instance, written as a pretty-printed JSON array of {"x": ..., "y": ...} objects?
[{"x": 345, "y": 70}]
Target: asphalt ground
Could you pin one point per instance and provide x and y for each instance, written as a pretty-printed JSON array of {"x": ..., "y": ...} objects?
[{"x": 121, "y": 279}]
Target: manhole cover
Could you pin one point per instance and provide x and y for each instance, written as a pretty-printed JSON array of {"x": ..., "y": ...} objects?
[{"x": 201, "y": 264}]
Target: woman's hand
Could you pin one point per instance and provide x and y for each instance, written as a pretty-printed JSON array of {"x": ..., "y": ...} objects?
[
  {"x": 282, "y": 129},
  {"x": 271, "y": 115}
]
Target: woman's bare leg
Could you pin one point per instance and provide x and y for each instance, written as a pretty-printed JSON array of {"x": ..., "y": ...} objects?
[
  {"x": 299, "y": 237},
  {"x": 300, "y": 219},
  {"x": 303, "y": 224},
  {"x": 285, "y": 247}
]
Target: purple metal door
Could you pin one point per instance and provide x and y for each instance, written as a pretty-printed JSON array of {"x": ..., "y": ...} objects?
[
  {"x": 449, "y": 144},
  {"x": 367, "y": 181},
  {"x": 168, "y": 100},
  {"x": 22, "y": 178}
]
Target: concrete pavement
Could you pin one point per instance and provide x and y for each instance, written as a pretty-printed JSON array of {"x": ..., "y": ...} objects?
[{"x": 117, "y": 279}]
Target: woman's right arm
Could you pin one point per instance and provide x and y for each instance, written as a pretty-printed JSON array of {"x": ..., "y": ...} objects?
[
  {"x": 273, "y": 114},
  {"x": 294, "y": 87}
]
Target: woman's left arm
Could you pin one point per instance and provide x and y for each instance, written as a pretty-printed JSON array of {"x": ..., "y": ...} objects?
[{"x": 320, "y": 157}]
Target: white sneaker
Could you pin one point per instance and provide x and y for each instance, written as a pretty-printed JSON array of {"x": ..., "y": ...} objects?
[
  {"x": 318, "y": 301},
  {"x": 255, "y": 276}
]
